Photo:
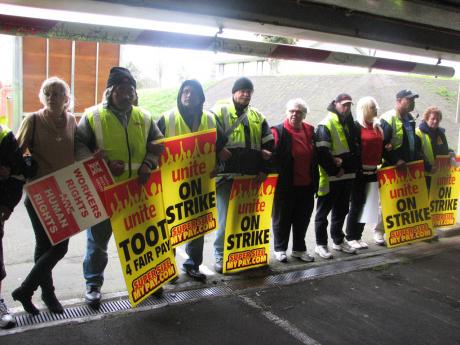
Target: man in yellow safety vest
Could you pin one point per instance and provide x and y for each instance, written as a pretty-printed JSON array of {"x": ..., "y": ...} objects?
[
  {"x": 189, "y": 117},
  {"x": 398, "y": 127},
  {"x": 247, "y": 151},
  {"x": 124, "y": 135},
  {"x": 338, "y": 162}
]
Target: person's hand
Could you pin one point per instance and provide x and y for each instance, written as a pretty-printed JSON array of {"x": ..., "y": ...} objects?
[
  {"x": 224, "y": 154},
  {"x": 400, "y": 163},
  {"x": 260, "y": 177},
  {"x": 99, "y": 154},
  {"x": 144, "y": 174},
  {"x": 5, "y": 213},
  {"x": 4, "y": 172},
  {"x": 266, "y": 155},
  {"x": 338, "y": 161},
  {"x": 156, "y": 149},
  {"x": 388, "y": 147},
  {"x": 340, "y": 173},
  {"x": 116, "y": 167}
]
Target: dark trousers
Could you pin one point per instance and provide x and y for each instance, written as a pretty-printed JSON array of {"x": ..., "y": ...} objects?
[
  {"x": 337, "y": 201},
  {"x": 355, "y": 229},
  {"x": 46, "y": 256},
  {"x": 2, "y": 263},
  {"x": 292, "y": 207}
]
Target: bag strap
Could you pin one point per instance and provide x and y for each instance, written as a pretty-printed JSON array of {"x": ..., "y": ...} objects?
[
  {"x": 31, "y": 144},
  {"x": 235, "y": 124}
]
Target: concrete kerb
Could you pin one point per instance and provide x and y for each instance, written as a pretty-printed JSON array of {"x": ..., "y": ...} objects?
[
  {"x": 454, "y": 230},
  {"x": 266, "y": 277}
]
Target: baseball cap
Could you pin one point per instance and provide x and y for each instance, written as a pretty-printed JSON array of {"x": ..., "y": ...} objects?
[
  {"x": 343, "y": 98},
  {"x": 406, "y": 93}
]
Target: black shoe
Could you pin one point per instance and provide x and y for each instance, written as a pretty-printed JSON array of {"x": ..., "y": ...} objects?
[
  {"x": 26, "y": 301},
  {"x": 194, "y": 273},
  {"x": 52, "y": 302},
  {"x": 218, "y": 267}
]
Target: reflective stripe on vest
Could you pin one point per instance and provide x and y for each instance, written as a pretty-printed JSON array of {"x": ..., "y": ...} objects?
[
  {"x": 127, "y": 145},
  {"x": 175, "y": 124},
  {"x": 338, "y": 145},
  {"x": 392, "y": 118},
  {"x": 236, "y": 139},
  {"x": 427, "y": 148}
]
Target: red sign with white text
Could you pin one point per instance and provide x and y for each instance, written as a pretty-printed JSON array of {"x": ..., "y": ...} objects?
[{"x": 70, "y": 199}]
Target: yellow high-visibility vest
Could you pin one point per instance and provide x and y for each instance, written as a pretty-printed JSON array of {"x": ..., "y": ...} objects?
[
  {"x": 338, "y": 145},
  {"x": 427, "y": 148},
  {"x": 175, "y": 124},
  {"x": 128, "y": 145},
  {"x": 392, "y": 117},
  {"x": 3, "y": 132},
  {"x": 226, "y": 113}
]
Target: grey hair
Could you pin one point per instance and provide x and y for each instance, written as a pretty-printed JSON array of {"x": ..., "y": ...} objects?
[
  {"x": 300, "y": 103},
  {"x": 363, "y": 108},
  {"x": 46, "y": 85}
]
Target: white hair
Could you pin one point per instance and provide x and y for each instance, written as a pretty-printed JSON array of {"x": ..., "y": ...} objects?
[
  {"x": 47, "y": 84},
  {"x": 363, "y": 109},
  {"x": 299, "y": 103}
]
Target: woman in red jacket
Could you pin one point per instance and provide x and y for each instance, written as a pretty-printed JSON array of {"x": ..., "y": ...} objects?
[{"x": 295, "y": 161}]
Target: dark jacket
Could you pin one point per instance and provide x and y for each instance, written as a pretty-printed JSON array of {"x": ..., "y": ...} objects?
[
  {"x": 438, "y": 141},
  {"x": 403, "y": 152},
  {"x": 283, "y": 161},
  {"x": 11, "y": 156},
  {"x": 351, "y": 160}
]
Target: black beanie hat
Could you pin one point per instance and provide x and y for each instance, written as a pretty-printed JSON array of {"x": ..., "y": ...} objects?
[
  {"x": 120, "y": 75},
  {"x": 242, "y": 83}
]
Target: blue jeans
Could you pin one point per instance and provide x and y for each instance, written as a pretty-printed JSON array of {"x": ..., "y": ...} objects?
[
  {"x": 96, "y": 257},
  {"x": 223, "y": 189},
  {"x": 194, "y": 250}
]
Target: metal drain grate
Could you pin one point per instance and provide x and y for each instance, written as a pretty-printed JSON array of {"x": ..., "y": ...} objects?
[
  {"x": 325, "y": 271},
  {"x": 113, "y": 306}
]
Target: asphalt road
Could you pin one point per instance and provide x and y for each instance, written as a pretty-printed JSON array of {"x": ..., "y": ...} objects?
[{"x": 412, "y": 299}]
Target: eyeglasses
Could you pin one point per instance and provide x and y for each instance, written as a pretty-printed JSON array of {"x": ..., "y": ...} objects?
[{"x": 53, "y": 94}]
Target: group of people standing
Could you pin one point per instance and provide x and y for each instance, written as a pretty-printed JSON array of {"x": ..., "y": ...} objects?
[
  {"x": 337, "y": 161},
  {"x": 333, "y": 162}
]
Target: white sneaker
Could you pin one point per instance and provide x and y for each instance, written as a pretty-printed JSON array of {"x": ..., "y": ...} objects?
[
  {"x": 363, "y": 244},
  {"x": 6, "y": 319},
  {"x": 303, "y": 256},
  {"x": 344, "y": 247},
  {"x": 323, "y": 251},
  {"x": 355, "y": 244},
  {"x": 281, "y": 256},
  {"x": 378, "y": 238}
]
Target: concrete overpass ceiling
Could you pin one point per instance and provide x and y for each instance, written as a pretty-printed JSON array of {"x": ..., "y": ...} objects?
[{"x": 425, "y": 28}]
